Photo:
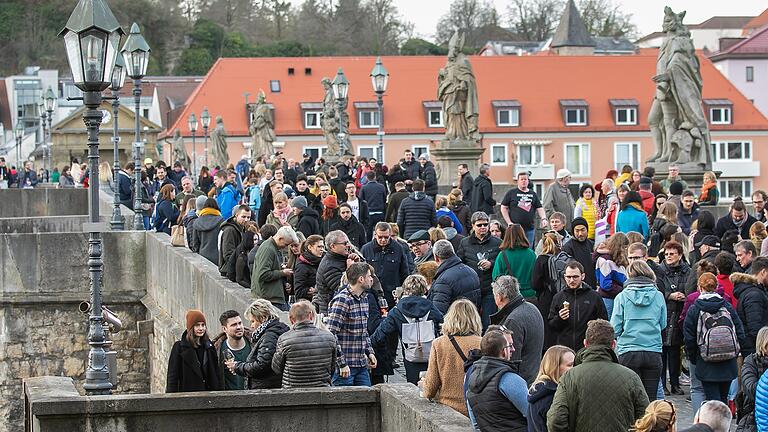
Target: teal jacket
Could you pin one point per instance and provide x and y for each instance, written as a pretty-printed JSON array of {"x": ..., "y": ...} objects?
[
  {"x": 521, "y": 261},
  {"x": 639, "y": 316}
]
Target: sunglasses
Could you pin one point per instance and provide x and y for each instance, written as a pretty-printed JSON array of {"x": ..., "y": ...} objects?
[{"x": 480, "y": 225}]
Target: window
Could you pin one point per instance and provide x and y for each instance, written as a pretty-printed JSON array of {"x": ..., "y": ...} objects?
[
  {"x": 499, "y": 154},
  {"x": 626, "y": 116},
  {"x": 508, "y": 117},
  {"x": 530, "y": 155},
  {"x": 315, "y": 152},
  {"x": 750, "y": 73},
  {"x": 539, "y": 188},
  {"x": 145, "y": 113},
  {"x": 574, "y": 187},
  {"x": 735, "y": 188},
  {"x": 367, "y": 152},
  {"x": 626, "y": 154},
  {"x": 577, "y": 159},
  {"x": 312, "y": 119},
  {"x": 576, "y": 117},
  {"x": 720, "y": 115},
  {"x": 368, "y": 119},
  {"x": 419, "y": 150},
  {"x": 435, "y": 118},
  {"x": 732, "y": 151},
  {"x": 274, "y": 86}
]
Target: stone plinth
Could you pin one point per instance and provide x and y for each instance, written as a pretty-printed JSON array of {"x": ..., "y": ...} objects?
[
  {"x": 693, "y": 174},
  {"x": 449, "y": 155}
]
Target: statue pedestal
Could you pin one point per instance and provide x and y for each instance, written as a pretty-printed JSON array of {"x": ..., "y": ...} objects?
[
  {"x": 449, "y": 155},
  {"x": 692, "y": 173}
]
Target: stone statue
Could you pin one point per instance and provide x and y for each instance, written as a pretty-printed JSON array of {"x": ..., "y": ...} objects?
[
  {"x": 263, "y": 128},
  {"x": 329, "y": 121},
  {"x": 678, "y": 125},
  {"x": 457, "y": 90},
  {"x": 219, "y": 152},
  {"x": 180, "y": 151}
]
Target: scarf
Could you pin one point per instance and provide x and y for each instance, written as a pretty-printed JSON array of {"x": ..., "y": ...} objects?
[
  {"x": 260, "y": 330},
  {"x": 209, "y": 211},
  {"x": 637, "y": 206},
  {"x": 705, "y": 188},
  {"x": 283, "y": 215}
]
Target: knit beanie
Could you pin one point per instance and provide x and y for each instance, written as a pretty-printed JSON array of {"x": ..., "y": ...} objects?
[
  {"x": 194, "y": 316},
  {"x": 299, "y": 202},
  {"x": 676, "y": 188},
  {"x": 330, "y": 202},
  {"x": 200, "y": 202},
  {"x": 579, "y": 221}
]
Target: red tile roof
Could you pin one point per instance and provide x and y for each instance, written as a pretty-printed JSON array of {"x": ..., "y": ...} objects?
[
  {"x": 756, "y": 45},
  {"x": 723, "y": 22},
  {"x": 755, "y": 23},
  {"x": 537, "y": 82}
]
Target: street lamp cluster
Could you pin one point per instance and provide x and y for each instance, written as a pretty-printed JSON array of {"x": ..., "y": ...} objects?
[
  {"x": 92, "y": 37},
  {"x": 205, "y": 119}
]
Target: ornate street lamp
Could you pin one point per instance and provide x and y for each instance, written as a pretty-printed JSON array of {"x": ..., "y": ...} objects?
[
  {"x": 43, "y": 144},
  {"x": 206, "y": 119},
  {"x": 91, "y": 36},
  {"x": 49, "y": 100},
  {"x": 118, "y": 80},
  {"x": 379, "y": 80},
  {"x": 136, "y": 57},
  {"x": 19, "y": 136},
  {"x": 192, "y": 123},
  {"x": 340, "y": 86}
]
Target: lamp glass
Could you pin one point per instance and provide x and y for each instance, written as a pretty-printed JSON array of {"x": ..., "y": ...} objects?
[
  {"x": 192, "y": 122},
  {"x": 19, "y": 129},
  {"x": 93, "y": 46},
  {"x": 118, "y": 76},
  {"x": 206, "y": 118},
  {"x": 72, "y": 44},
  {"x": 50, "y": 100}
]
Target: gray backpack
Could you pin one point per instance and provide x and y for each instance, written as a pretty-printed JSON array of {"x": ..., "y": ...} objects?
[{"x": 417, "y": 337}]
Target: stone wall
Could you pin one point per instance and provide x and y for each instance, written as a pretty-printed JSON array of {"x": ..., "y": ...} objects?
[
  {"x": 43, "y": 278},
  {"x": 45, "y": 224},
  {"x": 43, "y": 202}
]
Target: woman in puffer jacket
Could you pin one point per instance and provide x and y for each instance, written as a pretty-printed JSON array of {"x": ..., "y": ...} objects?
[{"x": 754, "y": 367}]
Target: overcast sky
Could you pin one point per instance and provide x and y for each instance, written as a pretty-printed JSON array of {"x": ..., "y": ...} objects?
[{"x": 647, "y": 14}]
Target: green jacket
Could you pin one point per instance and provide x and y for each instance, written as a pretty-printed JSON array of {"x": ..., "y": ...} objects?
[
  {"x": 521, "y": 261},
  {"x": 267, "y": 276},
  {"x": 598, "y": 394}
]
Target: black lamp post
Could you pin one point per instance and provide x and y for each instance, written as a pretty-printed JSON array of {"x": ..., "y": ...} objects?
[
  {"x": 379, "y": 80},
  {"x": 19, "y": 130},
  {"x": 136, "y": 57},
  {"x": 205, "y": 117},
  {"x": 192, "y": 123},
  {"x": 340, "y": 86},
  {"x": 43, "y": 142},
  {"x": 118, "y": 80},
  {"x": 50, "y": 105},
  {"x": 91, "y": 36}
]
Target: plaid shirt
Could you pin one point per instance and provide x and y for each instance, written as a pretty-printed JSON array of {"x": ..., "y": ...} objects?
[{"x": 348, "y": 321}]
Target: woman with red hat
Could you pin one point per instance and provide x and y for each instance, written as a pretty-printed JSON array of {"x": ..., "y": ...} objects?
[{"x": 193, "y": 364}]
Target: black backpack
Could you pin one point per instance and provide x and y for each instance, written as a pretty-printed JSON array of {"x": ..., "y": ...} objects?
[{"x": 557, "y": 265}]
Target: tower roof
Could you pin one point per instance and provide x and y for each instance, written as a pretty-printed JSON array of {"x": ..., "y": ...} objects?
[{"x": 571, "y": 31}]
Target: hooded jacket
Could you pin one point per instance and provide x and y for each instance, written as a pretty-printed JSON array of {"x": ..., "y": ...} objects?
[
  {"x": 454, "y": 280},
  {"x": 598, "y": 394},
  {"x": 707, "y": 371},
  {"x": 539, "y": 400},
  {"x": 267, "y": 276},
  {"x": 205, "y": 235},
  {"x": 639, "y": 316},
  {"x": 309, "y": 222},
  {"x": 491, "y": 408},
  {"x": 231, "y": 236},
  {"x": 258, "y": 366},
  {"x": 481, "y": 198},
  {"x": 227, "y": 200},
  {"x": 752, "y": 308},
  {"x": 390, "y": 330},
  {"x": 417, "y": 212},
  {"x": 429, "y": 176},
  {"x": 585, "y": 305},
  {"x": 353, "y": 228}
]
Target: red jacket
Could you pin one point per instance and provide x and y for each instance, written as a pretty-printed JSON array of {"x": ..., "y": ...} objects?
[{"x": 648, "y": 199}]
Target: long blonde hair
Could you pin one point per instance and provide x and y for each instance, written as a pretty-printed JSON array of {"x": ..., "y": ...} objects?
[
  {"x": 761, "y": 345},
  {"x": 659, "y": 416},
  {"x": 462, "y": 319},
  {"x": 549, "y": 368}
]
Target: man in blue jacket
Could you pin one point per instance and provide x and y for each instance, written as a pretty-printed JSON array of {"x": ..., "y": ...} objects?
[
  {"x": 388, "y": 258},
  {"x": 453, "y": 280},
  {"x": 227, "y": 196},
  {"x": 124, "y": 189}
]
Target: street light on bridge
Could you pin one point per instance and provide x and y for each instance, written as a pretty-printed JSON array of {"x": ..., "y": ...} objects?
[
  {"x": 91, "y": 37},
  {"x": 379, "y": 80},
  {"x": 49, "y": 101},
  {"x": 19, "y": 130},
  {"x": 340, "y": 87},
  {"x": 117, "y": 82},
  {"x": 192, "y": 123}
]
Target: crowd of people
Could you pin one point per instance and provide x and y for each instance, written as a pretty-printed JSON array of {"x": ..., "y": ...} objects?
[{"x": 559, "y": 313}]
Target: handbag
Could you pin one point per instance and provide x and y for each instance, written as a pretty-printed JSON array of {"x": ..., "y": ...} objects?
[{"x": 177, "y": 236}]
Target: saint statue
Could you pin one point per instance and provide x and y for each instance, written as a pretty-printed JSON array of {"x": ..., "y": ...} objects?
[
  {"x": 678, "y": 125},
  {"x": 329, "y": 121},
  {"x": 457, "y": 90},
  {"x": 179, "y": 151},
  {"x": 219, "y": 142},
  {"x": 263, "y": 128}
]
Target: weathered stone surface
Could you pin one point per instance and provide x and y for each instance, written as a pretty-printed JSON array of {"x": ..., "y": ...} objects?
[
  {"x": 43, "y": 202},
  {"x": 403, "y": 410}
]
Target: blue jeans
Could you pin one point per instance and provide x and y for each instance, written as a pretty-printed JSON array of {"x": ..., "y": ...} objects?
[
  {"x": 608, "y": 307},
  {"x": 487, "y": 308},
  {"x": 531, "y": 236},
  {"x": 697, "y": 390},
  {"x": 358, "y": 376}
]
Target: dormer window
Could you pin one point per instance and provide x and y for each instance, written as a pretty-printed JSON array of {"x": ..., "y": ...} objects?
[
  {"x": 574, "y": 111},
  {"x": 434, "y": 113},
  {"x": 311, "y": 114},
  {"x": 624, "y": 111},
  {"x": 367, "y": 114},
  {"x": 720, "y": 111},
  {"x": 507, "y": 112}
]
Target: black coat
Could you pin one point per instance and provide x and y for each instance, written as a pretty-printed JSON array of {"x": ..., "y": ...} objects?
[
  {"x": 412, "y": 169},
  {"x": 390, "y": 263},
  {"x": 539, "y": 401},
  {"x": 327, "y": 279},
  {"x": 725, "y": 223},
  {"x": 753, "y": 368},
  {"x": 482, "y": 195},
  {"x": 582, "y": 252},
  {"x": 454, "y": 280},
  {"x": 258, "y": 366},
  {"x": 463, "y": 214},
  {"x": 752, "y": 308},
  {"x": 417, "y": 212},
  {"x": 309, "y": 222},
  {"x": 585, "y": 306},
  {"x": 166, "y": 215},
  {"x": 429, "y": 176},
  {"x": 394, "y": 205},
  {"x": 187, "y": 374},
  {"x": 466, "y": 187},
  {"x": 468, "y": 250},
  {"x": 354, "y": 229},
  {"x": 304, "y": 275},
  {"x": 673, "y": 280}
]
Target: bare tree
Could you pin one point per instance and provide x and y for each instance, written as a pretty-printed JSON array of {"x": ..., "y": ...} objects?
[
  {"x": 605, "y": 18},
  {"x": 534, "y": 20},
  {"x": 474, "y": 17}
]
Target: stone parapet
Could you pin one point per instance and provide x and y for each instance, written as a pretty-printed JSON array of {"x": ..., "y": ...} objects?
[{"x": 43, "y": 202}]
